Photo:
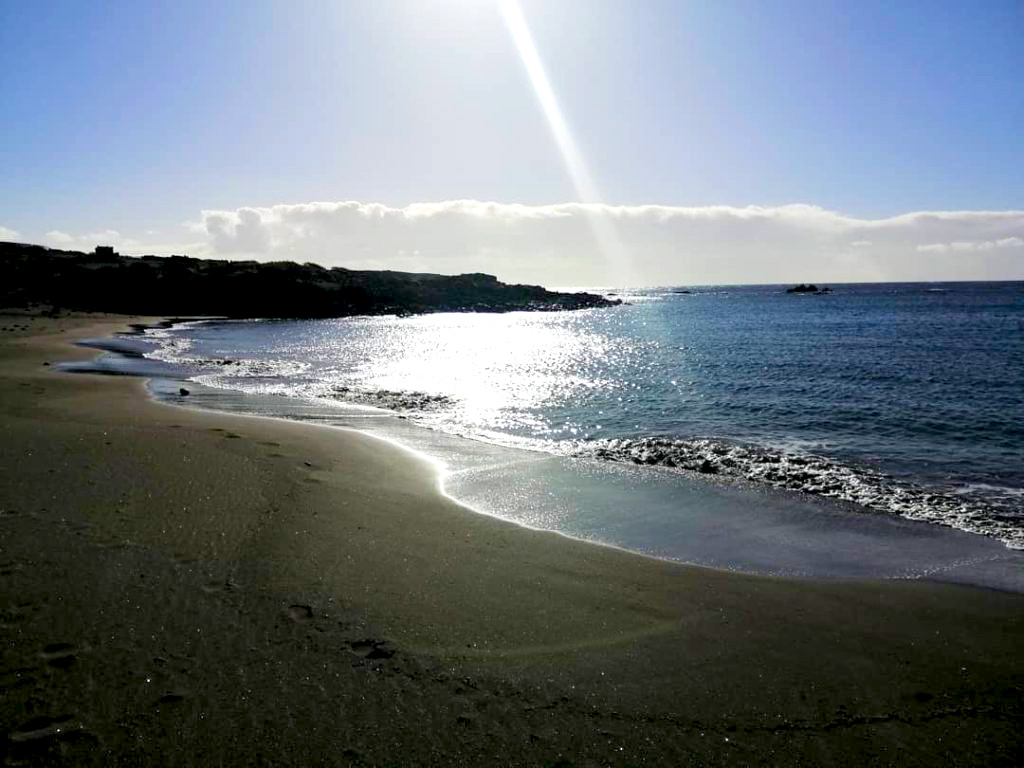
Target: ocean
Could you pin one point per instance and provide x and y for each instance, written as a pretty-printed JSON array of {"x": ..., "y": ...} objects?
[{"x": 898, "y": 404}]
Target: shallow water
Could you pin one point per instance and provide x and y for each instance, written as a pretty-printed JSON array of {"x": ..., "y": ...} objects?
[
  {"x": 894, "y": 402},
  {"x": 720, "y": 522},
  {"x": 906, "y": 399}
]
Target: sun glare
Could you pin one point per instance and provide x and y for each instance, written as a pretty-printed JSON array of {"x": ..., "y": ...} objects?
[
  {"x": 523, "y": 40},
  {"x": 601, "y": 223}
]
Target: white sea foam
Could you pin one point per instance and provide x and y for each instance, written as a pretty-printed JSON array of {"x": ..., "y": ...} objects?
[
  {"x": 815, "y": 475},
  {"x": 792, "y": 470}
]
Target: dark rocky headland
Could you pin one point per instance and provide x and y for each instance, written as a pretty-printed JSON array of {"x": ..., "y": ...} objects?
[
  {"x": 809, "y": 288},
  {"x": 105, "y": 281}
]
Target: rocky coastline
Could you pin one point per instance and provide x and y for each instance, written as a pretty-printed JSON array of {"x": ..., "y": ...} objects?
[{"x": 105, "y": 281}]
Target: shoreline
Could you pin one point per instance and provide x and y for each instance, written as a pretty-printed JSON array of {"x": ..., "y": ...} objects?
[
  {"x": 349, "y": 608},
  {"x": 825, "y": 538},
  {"x": 866, "y": 484},
  {"x": 438, "y": 466}
]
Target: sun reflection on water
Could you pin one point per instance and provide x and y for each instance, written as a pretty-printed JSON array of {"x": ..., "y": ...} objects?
[{"x": 498, "y": 368}]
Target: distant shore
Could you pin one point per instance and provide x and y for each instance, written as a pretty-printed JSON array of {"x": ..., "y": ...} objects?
[
  {"x": 194, "y": 588},
  {"x": 106, "y": 281}
]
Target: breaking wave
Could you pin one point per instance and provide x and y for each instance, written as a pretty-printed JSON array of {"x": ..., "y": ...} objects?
[
  {"x": 261, "y": 363},
  {"x": 820, "y": 476}
]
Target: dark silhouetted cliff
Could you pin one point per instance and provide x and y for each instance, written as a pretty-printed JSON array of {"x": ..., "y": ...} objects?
[{"x": 104, "y": 281}]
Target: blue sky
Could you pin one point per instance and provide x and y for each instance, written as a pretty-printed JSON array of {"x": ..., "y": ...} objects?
[{"x": 137, "y": 117}]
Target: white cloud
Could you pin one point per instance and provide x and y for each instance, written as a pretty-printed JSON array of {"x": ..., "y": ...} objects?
[
  {"x": 643, "y": 244},
  {"x": 57, "y": 237},
  {"x": 8, "y": 235},
  {"x": 88, "y": 240},
  {"x": 972, "y": 245},
  {"x": 239, "y": 232}
]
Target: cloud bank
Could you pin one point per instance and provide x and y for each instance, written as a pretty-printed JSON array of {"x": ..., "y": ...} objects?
[
  {"x": 596, "y": 244},
  {"x": 89, "y": 240},
  {"x": 593, "y": 244},
  {"x": 972, "y": 245}
]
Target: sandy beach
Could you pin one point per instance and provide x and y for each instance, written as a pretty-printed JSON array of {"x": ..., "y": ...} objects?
[{"x": 192, "y": 588}]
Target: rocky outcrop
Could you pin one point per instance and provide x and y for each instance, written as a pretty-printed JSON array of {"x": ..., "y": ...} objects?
[
  {"x": 105, "y": 281},
  {"x": 809, "y": 288}
]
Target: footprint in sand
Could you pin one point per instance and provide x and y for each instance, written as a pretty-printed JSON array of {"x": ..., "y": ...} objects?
[
  {"x": 43, "y": 740},
  {"x": 43, "y": 728},
  {"x": 371, "y": 649},
  {"x": 60, "y": 655}
]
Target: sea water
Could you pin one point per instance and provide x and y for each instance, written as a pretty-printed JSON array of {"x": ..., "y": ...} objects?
[{"x": 891, "y": 402}]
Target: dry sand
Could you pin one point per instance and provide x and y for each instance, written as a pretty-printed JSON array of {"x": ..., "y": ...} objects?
[{"x": 188, "y": 588}]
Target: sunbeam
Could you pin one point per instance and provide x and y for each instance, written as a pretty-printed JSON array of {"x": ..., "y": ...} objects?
[
  {"x": 571, "y": 156},
  {"x": 600, "y": 217}
]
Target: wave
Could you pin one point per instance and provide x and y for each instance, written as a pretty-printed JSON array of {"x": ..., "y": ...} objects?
[
  {"x": 284, "y": 377},
  {"x": 996, "y": 516},
  {"x": 978, "y": 508},
  {"x": 393, "y": 400}
]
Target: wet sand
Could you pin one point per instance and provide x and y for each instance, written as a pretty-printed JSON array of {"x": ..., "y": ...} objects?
[{"x": 191, "y": 588}]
